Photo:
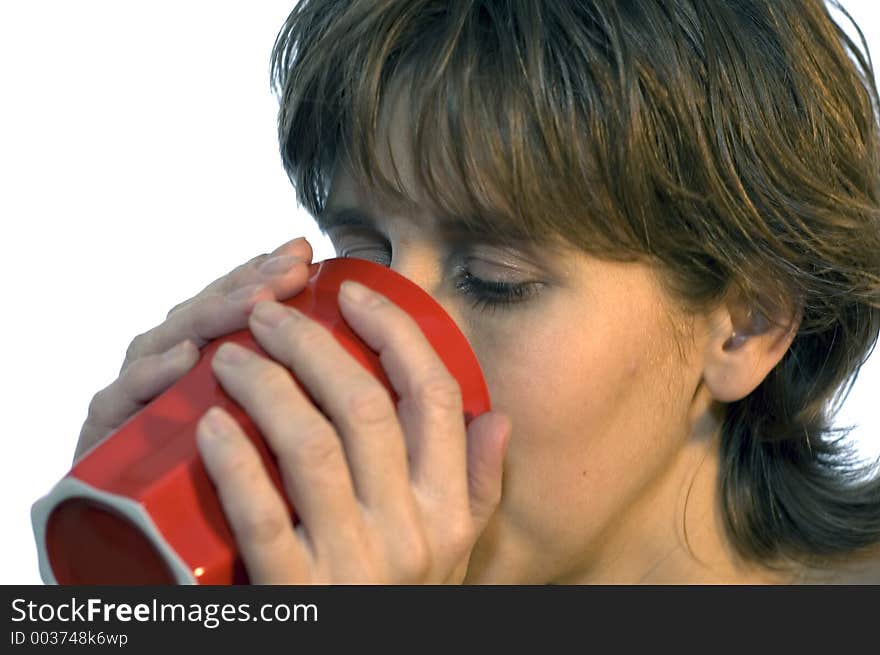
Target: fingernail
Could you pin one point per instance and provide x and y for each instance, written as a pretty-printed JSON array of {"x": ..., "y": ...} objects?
[
  {"x": 216, "y": 424},
  {"x": 279, "y": 264},
  {"x": 244, "y": 293},
  {"x": 271, "y": 314},
  {"x": 288, "y": 244},
  {"x": 231, "y": 353},
  {"x": 358, "y": 293},
  {"x": 173, "y": 353}
]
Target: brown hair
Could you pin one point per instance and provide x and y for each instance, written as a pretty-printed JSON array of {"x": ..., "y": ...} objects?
[{"x": 734, "y": 144}]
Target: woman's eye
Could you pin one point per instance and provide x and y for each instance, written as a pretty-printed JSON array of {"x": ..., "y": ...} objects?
[
  {"x": 490, "y": 294},
  {"x": 484, "y": 294}
]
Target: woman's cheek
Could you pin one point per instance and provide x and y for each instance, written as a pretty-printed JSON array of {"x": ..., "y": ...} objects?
[{"x": 585, "y": 430}]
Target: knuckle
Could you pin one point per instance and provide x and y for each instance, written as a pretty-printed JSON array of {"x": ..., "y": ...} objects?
[
  {"x": 370, "y": 405},
  {"x": 270, "y": 377},
  {"x": 204, "y": 313},
  {"x": 242, "y": 274},
  {"x": 98, "y": 412},
  {"x": 136, "y": 348},
  {"x": 177, "y": 308},
  {"x": 234, "y": 279},
  {"x": 308, "y": 335},
  {"x": 440, "y": 391},
  {"x": 316, "y": 447},
  {"x": 413, "y": 556},
  {"x": 134, "y": 376},
  {"x": 254, "y": 262},
  {"x": 254, "y": 521},
  {"x": 461, "y": 534},
  {"x": 261, "y": 525},
  {"x": 239, "y": 271}
]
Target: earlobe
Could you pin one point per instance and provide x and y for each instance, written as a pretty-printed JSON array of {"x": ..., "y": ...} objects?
[{"x": 742, "y": 352}]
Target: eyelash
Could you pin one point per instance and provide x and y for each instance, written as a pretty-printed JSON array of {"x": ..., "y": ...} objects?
[{"x": 488, "y": 295}]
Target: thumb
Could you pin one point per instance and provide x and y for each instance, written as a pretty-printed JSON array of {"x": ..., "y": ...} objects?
[{"x": 487, "y": 438}]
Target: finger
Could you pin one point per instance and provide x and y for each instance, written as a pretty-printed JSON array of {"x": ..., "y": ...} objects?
[
  {"x": 263, "y": 269},
  {"x": 249, "y": 273},
  {"x": 487, "y": 438},
  {"x": 257, "y": 515},
  {"x": 430, "y": 405},
  {"x": 215, "y": 315},
  {"x": 135, "y": 387},
  {"x": 358, "y": 405},
  {"x": 309, "y": 452},
  {"x": 208, "y": 317}
]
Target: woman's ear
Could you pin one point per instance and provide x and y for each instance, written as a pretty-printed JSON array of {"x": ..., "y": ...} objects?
[{"x": 742, "y": 348}]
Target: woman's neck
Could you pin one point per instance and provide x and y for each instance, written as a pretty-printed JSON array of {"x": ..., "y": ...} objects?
[{"x": 675, "y": 533}]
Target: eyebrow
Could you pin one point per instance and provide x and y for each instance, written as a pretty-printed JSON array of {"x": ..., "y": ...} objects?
[{"x": 452, "y": 228}]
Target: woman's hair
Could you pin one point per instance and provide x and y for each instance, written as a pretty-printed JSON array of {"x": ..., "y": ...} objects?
[{"x": 732, "y": 143}]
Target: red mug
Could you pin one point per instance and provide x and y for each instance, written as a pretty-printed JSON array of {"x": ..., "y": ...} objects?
[{"x": 139, "y": 507}]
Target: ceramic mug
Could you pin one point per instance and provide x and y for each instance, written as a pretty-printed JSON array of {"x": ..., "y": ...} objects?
[{"x": 139, "y": 507}]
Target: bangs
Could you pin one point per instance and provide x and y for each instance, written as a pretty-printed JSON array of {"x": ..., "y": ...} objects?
[
  {"x": 630, "y": 131},
  {"x": 497, "y": 128}
]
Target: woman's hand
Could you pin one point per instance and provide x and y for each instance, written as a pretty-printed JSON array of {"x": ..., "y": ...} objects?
[
  {"x": 384, "y": 494},
  {"x": 161, "y": 356}
]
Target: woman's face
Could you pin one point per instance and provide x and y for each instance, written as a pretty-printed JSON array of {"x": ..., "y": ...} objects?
[{"x": 587, "y": 362}]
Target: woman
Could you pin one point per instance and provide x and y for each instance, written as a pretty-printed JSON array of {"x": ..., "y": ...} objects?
[{"x": 658, "y": 224}]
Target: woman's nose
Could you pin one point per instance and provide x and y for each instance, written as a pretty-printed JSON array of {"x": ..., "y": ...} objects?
[
  {"x": 426, "y": 270},
  {"x": 421, "y": 268}
]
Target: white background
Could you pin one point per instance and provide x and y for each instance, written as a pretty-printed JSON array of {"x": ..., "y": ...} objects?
[{"x": 138, "y": 162}]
